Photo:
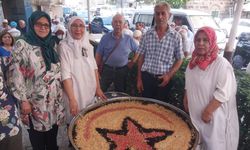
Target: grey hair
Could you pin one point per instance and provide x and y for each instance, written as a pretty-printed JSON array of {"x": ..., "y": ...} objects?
[
  {"x": 118, "y": 15},
  {"x": 165, "y": 4}
]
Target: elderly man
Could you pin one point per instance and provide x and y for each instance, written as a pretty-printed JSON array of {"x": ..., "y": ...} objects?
[
  {"x": 5, "y": 26},
  {"x": 160, "y": 57},
  {"x": 113, "y": 51},
  {"x": 22, "y": 27}
]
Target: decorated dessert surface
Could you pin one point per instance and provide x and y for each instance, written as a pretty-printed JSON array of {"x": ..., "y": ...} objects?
[{"x": 132, "y": 125}]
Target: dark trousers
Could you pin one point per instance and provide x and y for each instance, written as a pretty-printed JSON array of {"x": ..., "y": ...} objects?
[
  {"x": 43, "y": 140},
  {"x": 152, "y": 89},
  {"x": 12, "y": 143},
  {"x": 114, "y": 75}
]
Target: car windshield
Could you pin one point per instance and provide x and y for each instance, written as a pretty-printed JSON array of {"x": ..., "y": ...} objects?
[
  {"x": 107, "y": 20},
  {"x": 200, "y": 21}
]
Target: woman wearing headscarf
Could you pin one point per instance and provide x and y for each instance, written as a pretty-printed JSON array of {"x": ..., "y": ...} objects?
[
  {"x": 210, "y": 94},
  {"x": 79, "y": 69},
  {"x": 10, "y": 122},
  {"x": 35, "y": 80}
]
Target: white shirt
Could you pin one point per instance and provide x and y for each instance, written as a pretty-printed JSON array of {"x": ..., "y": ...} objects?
[
  {"x": 82, "y": 72},
  {"x": 14, "y": 32},
  {"x": 217, "y": 81}
]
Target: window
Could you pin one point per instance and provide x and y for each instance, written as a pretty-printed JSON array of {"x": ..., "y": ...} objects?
[{"x": 146, "y": 19}]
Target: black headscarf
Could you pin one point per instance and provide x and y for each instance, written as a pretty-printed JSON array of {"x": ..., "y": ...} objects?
[{"x": 47, "y": 43}]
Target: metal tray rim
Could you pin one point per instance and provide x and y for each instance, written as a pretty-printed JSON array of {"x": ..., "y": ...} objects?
[{"x": 117, "y": 99}]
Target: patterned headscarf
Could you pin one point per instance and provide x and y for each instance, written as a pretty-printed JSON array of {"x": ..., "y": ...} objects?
[
  {"x": 203, "y": 61},
  {"x": 47, "y": 43}
]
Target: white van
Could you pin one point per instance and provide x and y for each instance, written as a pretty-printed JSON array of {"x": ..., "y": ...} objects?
[{"x": 192, "y": 18}]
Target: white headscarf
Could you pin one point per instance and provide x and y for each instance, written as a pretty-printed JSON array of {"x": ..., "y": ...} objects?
[{"x": 74, "y": 44}]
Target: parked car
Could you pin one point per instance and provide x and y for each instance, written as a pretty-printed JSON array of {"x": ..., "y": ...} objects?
[
  {"x": 101, "y": 25},
  {"x": 241, "y": 56},
  {"x": 191, "y": 18},
  {"x": 244, "y": 25},
  {"x": 128, "y": 15},
  {"x": 143, "y": 15},
  {"x": 83, "y": 14}
]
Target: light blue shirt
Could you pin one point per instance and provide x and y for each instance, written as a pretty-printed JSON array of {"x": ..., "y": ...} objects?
[{"x": 119, "y": 57}]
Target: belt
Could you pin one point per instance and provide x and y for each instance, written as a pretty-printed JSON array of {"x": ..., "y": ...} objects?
[
  {"x": 153, "y": 75},
  {"x": 114, "y": 68}
]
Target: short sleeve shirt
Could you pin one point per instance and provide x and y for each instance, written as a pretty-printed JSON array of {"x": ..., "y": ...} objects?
[
  {"x": 160, "y": 55},
  {"x": 120, "y": 55}
]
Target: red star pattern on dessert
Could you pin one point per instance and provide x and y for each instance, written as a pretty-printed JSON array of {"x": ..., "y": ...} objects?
[{"x": 133, "y": 136}]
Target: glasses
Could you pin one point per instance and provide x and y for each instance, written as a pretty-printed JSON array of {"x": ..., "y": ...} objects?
[
  {"x": 75, "y": 26},
  {"x": 40, "y": 25},
  {"x": 84, "y": 52}
]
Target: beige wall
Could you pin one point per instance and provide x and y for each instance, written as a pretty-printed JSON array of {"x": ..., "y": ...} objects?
[
  {"x": 224, "y": 7},
  {"x": 52, "y": 7}
]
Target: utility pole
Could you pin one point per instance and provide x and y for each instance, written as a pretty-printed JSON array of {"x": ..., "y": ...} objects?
[
  {"x": 230, "y": 44},
  {"x": 88, "y": 7},
  {"x": 121, "y": 6}
]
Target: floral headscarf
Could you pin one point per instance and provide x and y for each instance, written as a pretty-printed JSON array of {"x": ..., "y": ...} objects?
[{"x": 203, "y": 61}]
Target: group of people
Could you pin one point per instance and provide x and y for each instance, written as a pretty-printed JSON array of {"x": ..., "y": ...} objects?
[
  {"x": 52, "y": 81},
  {"x": 14, "y": 28},
  {"x": 159, "y": 56},
  {"x": 186, "y": 35},
  {"x": 38, "y": 76}
]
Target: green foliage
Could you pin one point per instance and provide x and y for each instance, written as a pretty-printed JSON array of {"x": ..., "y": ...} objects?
[
  {"x": 243, "y": 101},
  {"x": 175, "y": 3},
  {"x": 243, "y": 98}
]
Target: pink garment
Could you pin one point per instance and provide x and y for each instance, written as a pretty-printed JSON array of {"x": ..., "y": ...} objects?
[{"x": 203, "y": 61}]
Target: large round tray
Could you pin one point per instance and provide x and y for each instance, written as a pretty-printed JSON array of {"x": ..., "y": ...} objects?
[{"x": 177, "y": 111}]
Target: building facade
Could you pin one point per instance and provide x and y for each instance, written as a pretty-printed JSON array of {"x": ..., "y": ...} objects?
[
  {"x": 22, "y": 9},
  {"x": 53, "y": 7},
  {"x": 218, "y": 8}
]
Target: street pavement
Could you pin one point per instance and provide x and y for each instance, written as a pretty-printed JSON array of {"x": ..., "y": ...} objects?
[{"x": 62, "y": 139}]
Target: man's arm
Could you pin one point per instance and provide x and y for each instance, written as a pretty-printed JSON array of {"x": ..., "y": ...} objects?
[
  {"x": 139, "y": 80},
  {"x": 175, "y": 67},
  {"x": 98, "y": 59},
  {"x": 167, "y": 76}
]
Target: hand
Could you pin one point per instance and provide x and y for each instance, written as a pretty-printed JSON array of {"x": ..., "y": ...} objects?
[
  {"x": 185, "y": 102},
  {"x": 100, "y": 94},
  {"x": 165, "y": 79},
  {"x": 25, "y": 107},
  {"x": 186, "y": 107},
  {"x": 139, "y": 85},
  {"x": 130, "y": 64},
  {"x": 206, "y": 116},
  {"x": 73, "y": 106}
]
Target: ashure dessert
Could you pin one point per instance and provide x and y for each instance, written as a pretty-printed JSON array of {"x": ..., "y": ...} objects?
[{"x": 132, "y": 125}]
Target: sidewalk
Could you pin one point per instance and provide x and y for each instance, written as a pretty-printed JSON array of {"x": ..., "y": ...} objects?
[{"x": 62, "y": 139}]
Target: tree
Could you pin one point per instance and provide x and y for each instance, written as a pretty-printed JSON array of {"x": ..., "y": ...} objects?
[{"x": 175, "y": 3}]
